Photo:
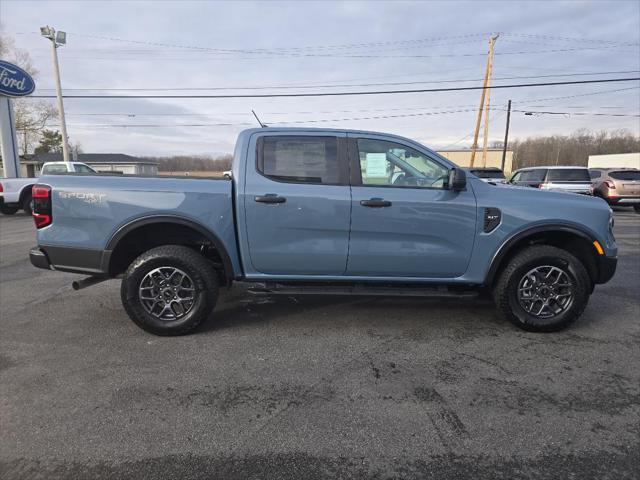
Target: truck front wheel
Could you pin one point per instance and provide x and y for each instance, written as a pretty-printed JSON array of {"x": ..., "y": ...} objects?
[
  {"x": 542, "y": 289},
  {"x": 169, "y": 290}
]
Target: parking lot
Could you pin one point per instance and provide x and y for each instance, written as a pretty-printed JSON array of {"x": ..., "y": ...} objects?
[{"x": 314, "y": 387}]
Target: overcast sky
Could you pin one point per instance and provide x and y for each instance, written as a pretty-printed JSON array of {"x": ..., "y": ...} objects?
[{"x": 178, "y": 44}]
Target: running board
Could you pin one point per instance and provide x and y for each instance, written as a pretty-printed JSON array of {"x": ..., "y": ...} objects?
[{"x": 361, "y": 289}]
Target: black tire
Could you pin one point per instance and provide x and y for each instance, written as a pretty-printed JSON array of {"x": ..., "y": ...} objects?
[
  {"x": 27, "y": 204},
  {"x": 506, "y": 297},
  {"x": 202, "y": 278},
  {"x": 7, "y": 210}
]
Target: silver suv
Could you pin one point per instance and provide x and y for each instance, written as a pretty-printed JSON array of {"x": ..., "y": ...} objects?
[{"x": 566, "y": 179}]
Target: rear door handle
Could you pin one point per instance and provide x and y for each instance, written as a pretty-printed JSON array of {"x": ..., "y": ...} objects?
[
  {"x": 375, "y": 202},
  {"x": 270, "y": 198}
]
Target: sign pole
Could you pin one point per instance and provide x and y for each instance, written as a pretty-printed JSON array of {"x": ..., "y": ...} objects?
[{"x": 8, "y": 139}]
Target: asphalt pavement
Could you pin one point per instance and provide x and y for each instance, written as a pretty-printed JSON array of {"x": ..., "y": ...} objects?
[{"x": 313, "y": 387}]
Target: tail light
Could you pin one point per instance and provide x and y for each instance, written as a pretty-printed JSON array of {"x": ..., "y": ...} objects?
[
  {"x": 609, "y": 184},
  {"x": 41, "y": 195},
  {"x": 1, "y": 188},
  {"x": 542, "y": 186}
]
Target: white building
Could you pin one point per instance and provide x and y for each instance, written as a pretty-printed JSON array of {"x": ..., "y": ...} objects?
[{"x": 616, "y": 160}]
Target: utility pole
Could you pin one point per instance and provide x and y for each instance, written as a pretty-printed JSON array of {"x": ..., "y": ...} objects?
[
  {"x": 483, "y": 95},
  {"x": 58, "y": 39},
  {"x": 506, "y": 135}
]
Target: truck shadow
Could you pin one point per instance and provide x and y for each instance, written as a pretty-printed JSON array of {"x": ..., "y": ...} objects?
[{"x": 338, "y": 311}]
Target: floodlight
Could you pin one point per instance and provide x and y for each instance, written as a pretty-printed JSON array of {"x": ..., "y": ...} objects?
[
  {"x": 47, "y": 31},
  {"x": 61, "y": 38}
]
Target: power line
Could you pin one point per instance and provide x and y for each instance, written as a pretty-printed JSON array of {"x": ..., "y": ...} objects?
[
  {"x": 373, "y": 117},
  {"x": 564, "y": 97},
  {"x": 315, "y": 112},
  {"x": 287, "y": 87},
  {"x": 595, "y": 114},
  {"x": 341, "y": 94}
]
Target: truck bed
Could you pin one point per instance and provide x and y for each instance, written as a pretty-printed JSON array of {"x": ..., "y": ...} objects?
[{"x": 88, "y": 211}]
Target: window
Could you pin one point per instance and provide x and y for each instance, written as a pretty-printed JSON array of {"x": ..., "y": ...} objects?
[
  {"x": 54, "y": 169},
  {"x": 626, "y": 175},
  {"x": 595, "y": 174},
  {"x": 396, "y": 165},
  {"x": 516, "y": 177},
  {"x": 568, "y": 175},
  {"x": 536, "y": 175},
  {"x": 488, "y": 173},
  {"x": 299, "y": 159},
  {"x": 83, "y": 168}
]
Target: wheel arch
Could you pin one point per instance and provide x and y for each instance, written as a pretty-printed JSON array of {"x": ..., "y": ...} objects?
[
  {"x": 181, "y": 224},
  {"x": 574, "y": 239},
  {"x": 24, "y": 191}
]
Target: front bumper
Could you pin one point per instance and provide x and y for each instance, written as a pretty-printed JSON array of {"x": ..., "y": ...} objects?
[
  {"x": 39, "y": 259},
  {"x": 606, "y": 268}
]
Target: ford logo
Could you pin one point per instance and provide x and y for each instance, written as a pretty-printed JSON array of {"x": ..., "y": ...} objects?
[{"x": 14, "y": 81}]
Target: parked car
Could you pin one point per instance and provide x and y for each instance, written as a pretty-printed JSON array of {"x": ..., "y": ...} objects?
[
  {"x": 15, "y": 193},
  {"x": 325, "y": 211},
  {"x": 564, "y": 179},
  {"x": 618, "y": 186},
  {"x": 488, "y": 174},
  {"x": 61, "y": 168}
]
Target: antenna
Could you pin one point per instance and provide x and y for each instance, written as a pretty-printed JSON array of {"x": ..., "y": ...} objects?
[{"x": 261, "y": 124}]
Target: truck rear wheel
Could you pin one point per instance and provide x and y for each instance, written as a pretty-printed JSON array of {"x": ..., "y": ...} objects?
[
  {"x": 169, "y": 290},
  {"x": 542, "y": 289}
]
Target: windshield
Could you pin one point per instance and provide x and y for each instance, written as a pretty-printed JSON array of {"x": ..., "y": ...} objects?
[
  {"x": 568, "y": 175},
  {"x": 488, "y": 173},
  {"x": 625, "y": 175}
]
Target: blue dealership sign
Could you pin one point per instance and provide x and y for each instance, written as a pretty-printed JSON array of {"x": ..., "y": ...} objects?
[{"x": 14, "y": 81}]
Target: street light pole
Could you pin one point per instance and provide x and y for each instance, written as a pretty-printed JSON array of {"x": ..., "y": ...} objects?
[
  {"x": 506, "y": 135},
  {"x": 56, "y": 41}
]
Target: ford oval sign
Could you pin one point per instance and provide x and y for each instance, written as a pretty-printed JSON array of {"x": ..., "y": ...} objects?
[{"x": 14, "y": 81}]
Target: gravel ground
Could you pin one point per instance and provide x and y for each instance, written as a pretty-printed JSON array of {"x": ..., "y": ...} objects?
[{"x": 313, "y": 387}]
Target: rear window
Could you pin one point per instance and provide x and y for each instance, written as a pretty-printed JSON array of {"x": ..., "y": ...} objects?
[
  {"x": 569, "y": 175},
  {"x": 488, "y": 173},
  {"x": 625, "y": 175},
  {"x": 595, "y": 174},
  {"x": 54, "y": 169},
  {"x": 299, "y": 159}
]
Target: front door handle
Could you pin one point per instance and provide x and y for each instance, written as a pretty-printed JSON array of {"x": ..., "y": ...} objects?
[
  {"x": 270, "y": 198},
  {"x": 375, "y": 202}
]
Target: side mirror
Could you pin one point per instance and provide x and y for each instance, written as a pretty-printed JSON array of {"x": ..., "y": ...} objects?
[{"x": 457, "y": 179}]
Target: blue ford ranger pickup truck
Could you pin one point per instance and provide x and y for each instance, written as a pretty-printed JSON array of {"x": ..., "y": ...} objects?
[{"x": 325, "y": 211}]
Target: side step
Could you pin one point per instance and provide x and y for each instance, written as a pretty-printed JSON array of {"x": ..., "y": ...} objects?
[{"x": 271, "y": 288}]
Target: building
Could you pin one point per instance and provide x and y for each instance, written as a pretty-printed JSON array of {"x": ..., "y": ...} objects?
[
  {"x": 616, "y": 160},
  {"x": 494, "y": 158},
  {"x": 31, "y": 165},
  {"x": 107, "y": 162}
]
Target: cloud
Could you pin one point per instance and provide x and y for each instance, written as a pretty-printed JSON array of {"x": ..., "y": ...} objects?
[{"x": 90, "y": 62}]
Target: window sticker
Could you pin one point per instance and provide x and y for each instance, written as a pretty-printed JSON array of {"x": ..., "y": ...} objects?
[{"x": 376, "y": 165}]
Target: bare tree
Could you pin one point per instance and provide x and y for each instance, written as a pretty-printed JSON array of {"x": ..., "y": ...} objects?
[
  {"x": 31, "y": 116},
  {"x": 573, "y": 149}
]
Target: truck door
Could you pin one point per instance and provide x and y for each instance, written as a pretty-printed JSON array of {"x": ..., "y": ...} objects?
[
  {"x": 297, "y": 204},
  {"x": 405, "y": 221}
]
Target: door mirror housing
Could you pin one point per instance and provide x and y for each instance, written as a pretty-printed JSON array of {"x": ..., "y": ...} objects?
[{"x": 457, "y": 179}]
